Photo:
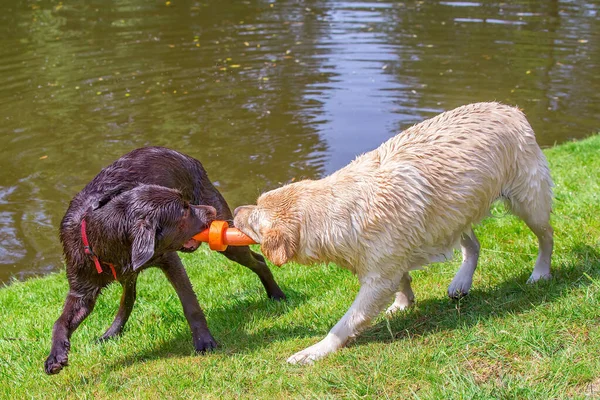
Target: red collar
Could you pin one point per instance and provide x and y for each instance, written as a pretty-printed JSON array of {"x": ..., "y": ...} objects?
[{"x": 88, "y": 250}]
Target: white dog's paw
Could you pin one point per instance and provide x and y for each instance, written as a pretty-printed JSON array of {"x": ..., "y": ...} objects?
[
  {"x": 304, "y": 357},
  {"x": 312, "y": 353},
  {"x": 460, "y": 286},
  {"x": 538, "y": 276},
  {"x": 397, "y": 307}
]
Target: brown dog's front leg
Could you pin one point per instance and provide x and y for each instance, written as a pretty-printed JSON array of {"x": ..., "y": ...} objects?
[
  {"x": 127, "y": 301},
  {"x": 77, "y": 308},
  {"x": 173, "y": 269},
  {"x": 255, "y": 262}
]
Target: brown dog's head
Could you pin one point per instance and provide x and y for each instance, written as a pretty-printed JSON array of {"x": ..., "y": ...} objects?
[
  {"x": 154, "y": 219},
  {"x": 274, "y": 223}
]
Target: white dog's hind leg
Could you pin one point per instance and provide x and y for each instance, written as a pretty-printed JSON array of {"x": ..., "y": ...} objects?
[
  {"x": 372, "y": 296},
  {"x": 534, "y": 207},
  {"x": 463, "y": 279},
  {"x": 545, "y": 235},
  {"x": 404, "y": 296}
]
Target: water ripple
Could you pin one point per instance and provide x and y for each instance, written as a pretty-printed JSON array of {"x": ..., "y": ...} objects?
[{"x": 261, "y": 92}]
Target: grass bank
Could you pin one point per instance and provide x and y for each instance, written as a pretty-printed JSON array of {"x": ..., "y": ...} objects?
[{"x": 505, "y": 340}]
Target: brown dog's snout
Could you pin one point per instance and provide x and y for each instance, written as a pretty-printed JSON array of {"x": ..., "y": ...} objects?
[{"x": 207, "y": 212}]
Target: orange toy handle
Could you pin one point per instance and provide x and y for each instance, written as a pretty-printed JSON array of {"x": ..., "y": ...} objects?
[{"x": 219, "y": 235}]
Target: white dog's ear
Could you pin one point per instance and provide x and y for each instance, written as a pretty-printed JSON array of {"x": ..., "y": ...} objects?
[{"x": 279, "y": 245}]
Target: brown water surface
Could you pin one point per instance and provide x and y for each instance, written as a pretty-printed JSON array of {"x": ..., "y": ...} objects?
[{"x": 261, "y": 92}]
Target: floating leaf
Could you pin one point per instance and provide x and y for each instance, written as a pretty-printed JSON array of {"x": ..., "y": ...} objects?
[{"x": 43, "y": 157}]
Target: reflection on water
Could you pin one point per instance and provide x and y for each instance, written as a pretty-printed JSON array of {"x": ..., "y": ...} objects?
[{"x": 261, "y": 92}]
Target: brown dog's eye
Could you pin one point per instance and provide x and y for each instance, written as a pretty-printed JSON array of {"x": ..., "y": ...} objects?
[{"x": 186, "y": 209}]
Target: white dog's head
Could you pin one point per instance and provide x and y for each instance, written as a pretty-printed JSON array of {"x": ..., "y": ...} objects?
[{"x": 273, "y": 222}]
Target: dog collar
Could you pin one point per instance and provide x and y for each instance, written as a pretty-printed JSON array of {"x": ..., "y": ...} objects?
[{"x": 88, "y": 250}]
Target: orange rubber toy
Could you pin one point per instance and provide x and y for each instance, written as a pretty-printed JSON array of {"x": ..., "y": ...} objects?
[{"x": 220, "y": 235}]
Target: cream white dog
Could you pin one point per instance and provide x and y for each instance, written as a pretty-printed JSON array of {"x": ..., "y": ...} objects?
[{"x": 406, "y": 204}]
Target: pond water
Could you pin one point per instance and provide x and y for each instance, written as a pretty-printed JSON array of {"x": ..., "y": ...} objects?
[{"x": 261, "y": 92}]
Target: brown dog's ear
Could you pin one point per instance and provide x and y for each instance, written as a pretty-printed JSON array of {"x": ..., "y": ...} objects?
[
  {"x": 142, "y": 248},
  {"x": 279, "y": 245}
]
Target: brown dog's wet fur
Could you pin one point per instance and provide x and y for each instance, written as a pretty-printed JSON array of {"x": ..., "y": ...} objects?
[{"x": 139, "y": 212}]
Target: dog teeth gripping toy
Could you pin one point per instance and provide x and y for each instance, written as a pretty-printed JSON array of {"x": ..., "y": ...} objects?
[{"x": 219, "y": 235}]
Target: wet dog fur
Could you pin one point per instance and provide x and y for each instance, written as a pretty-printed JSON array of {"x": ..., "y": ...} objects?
[
  {"x": 139, "y": 212},
  {"x": 406, "y": 204}
]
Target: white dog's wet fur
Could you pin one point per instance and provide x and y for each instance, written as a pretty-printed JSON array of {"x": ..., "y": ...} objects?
[{"x": 406, "y": 204}]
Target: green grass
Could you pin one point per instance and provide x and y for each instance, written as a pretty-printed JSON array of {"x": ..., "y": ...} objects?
[{"x": 505, "y": 340}]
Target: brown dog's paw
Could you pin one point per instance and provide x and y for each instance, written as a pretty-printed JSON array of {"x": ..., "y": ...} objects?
[
  {"x": 277, "y": 295},
  {"x": 205, "y": 343},
  {"x": 107, "y": 336},
  {"x": 54, "y": 363}
]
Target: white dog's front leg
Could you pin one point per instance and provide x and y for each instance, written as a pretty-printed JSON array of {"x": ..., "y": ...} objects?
[
  {"x": 319, "y": 350},
  {"x": 372, "y": 296}
]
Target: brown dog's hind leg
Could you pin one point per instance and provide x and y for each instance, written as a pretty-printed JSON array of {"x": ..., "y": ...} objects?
[
  {"x": 255, "y": 262},
  {"x": 127, "y": 301},
  {"x": 173, "y": 269},
  {"x": 77, "y": 307}
]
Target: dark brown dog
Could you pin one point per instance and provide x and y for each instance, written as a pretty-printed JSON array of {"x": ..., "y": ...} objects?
[{"x": 135, "y": 214}]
